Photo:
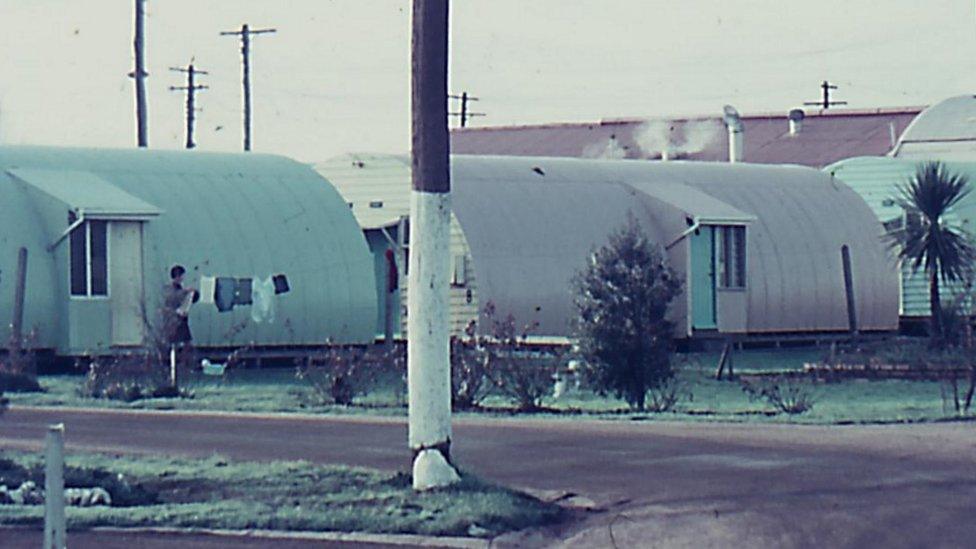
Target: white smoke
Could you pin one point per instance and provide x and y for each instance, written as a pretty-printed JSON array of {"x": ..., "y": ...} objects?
[
  {"x": 609, "y": 149},
  {"x": 655, "y": 137}
]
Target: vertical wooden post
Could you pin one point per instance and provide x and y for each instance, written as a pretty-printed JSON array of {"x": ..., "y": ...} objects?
[
  {"x": 17, "y": 322},
  {"x": 845, "y": 253},
  {"x": 428, "y": 338},
  {"x": 54, "y": 522},
  {"x": 389, "y": 305}
]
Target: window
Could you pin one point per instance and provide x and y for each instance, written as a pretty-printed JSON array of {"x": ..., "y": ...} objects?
[
  {"x": 732, "y": 257},
  {"x": 460, "y": 271},
  {"x": 88, "y": 256}
]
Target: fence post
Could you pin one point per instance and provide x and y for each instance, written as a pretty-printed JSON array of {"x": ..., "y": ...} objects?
[{"x": 54, "y": 522}]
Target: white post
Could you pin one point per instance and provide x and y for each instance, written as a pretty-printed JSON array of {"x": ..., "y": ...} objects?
[
  {"x": 428, "y": 339},
  {"x": 54, "y": 522},
  {"x": 172, "y": 365}
]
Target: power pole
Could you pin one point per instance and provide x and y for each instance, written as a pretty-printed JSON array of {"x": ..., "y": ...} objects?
[
  {"x": 428, "y": 338},
  {"x": 140, "y": 74},
  {"x": 191, "y": 87},
  {"x": 464, "y": 114},
  {"x": 826, "y": 103},
  {"x": 245, "y": 33}
]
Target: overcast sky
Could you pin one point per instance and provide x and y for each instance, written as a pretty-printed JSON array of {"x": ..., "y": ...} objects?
[{"x": 335, "y": 77}]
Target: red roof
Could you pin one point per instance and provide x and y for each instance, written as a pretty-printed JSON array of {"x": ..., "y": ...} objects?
[{"x": 825, "y": 137}]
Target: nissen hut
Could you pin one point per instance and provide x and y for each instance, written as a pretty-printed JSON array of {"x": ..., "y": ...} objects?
[
  {"x": 759, "y": 247},
  {"x": 103, "y": 227}
]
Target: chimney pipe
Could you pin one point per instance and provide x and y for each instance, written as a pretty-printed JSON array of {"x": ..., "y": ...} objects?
[
  {"x": 734, "y": 123},
  {"x": 796, "y": 121}
]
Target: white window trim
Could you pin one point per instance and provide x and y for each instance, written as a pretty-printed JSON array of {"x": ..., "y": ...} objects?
[{"x": 88, "y": 265}]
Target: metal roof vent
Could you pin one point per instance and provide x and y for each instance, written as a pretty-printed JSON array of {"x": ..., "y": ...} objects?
[
  {"x": 736, "y": 130},
  {"x": 796, "y": 117}
]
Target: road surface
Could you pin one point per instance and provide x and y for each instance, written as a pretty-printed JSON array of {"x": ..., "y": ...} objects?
[{"x": 668, "y": 484}]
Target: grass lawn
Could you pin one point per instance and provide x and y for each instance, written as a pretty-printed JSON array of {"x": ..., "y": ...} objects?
[
  {"x": 703, "y": 398},
  {"x": 217, "y": 493}
]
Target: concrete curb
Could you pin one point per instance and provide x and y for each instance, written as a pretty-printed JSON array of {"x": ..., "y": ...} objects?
[{"x": 405, "y": 540}]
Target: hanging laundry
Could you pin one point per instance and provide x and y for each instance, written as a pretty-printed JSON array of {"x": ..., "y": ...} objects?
[
  {"x": 226, "y": 288},
  {"x": 208, "y": 285},
  {"x": 242, "y": 293},
  {"x": 280, "y": 284},
  {"x": 263, "y": 295}
]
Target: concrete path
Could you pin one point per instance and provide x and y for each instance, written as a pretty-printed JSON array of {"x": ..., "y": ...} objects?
[{"x": 654, "y": 483}]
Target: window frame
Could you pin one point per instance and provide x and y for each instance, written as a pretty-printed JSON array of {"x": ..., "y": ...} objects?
[
  {"x": 86, "y": 226},
  {"x": 732, "y": 260}
]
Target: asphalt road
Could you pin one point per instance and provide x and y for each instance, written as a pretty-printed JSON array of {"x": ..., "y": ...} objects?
[{"x": 654, "y": 483}]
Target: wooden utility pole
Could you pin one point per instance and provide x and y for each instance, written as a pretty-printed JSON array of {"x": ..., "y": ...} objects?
[
  {"x": 191, "y": 88},
  {"x": 826, "y": 103},
  {"x": 140, "y": 74},
  {"x": 845, "y": 257},
  {"x": 428, "y": 339},
  {"x": 245, "y": 33},
  {"x": 464, "y": 114}
]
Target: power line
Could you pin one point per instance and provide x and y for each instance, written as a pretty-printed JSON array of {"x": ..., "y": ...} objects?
[
  {"x": 190, "y": 88},
  {"x": 826, "y": 103},
  {"x": 245, "y": 33},
  {"x": 464, "y": 114}
]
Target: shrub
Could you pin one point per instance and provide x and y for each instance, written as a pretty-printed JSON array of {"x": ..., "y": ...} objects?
[
  {"x": 664, "y": 397},
  {"x": 469, "y": 370},
  {"x": 622, "y": 299},
  {"x": 339, "y": 375},
  {"x": 501, "y": 360},
  {"x": 784, "y": 393},
  {"x": 130, "y": 377}
]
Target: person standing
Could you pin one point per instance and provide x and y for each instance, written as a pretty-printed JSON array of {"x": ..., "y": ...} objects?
[{"x": 176, "y": 323}]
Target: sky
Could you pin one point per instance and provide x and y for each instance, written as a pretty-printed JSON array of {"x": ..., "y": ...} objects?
[{"x": 335, "y": 77}]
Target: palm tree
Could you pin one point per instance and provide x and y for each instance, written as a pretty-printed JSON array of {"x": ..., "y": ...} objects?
[{"x": 927, "y": 240}]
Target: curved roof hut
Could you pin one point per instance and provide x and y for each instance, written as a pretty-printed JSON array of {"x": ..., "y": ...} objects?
[
  {"x": 758, "y": 246},
  {"x": 103, "y": 228},
  {"x": 943, "y": 131}
]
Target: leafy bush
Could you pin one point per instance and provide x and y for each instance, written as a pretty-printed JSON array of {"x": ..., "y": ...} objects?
[
  {"x": 622, "y": 299},
  {"x": 339, "y": 375},
  {"x": 784, "y": 393}
]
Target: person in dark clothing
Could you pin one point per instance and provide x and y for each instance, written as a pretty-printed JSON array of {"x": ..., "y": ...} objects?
[{"x": 176, "y": 324}]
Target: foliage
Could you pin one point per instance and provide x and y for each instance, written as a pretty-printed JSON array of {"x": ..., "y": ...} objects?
[
  {"x": 622, "y": 299},
  {"x": 18, "y": 369},
  {"x": 784, "y": 393},
  {"x": 664, "y": 397},
  {"x": 501, "y": 360},
  {"x": 341, "y": 374},
  {"x": 927, "y": 240},
  {"x": 130, "y": 377},
  {"x": 469, "y": 369}
]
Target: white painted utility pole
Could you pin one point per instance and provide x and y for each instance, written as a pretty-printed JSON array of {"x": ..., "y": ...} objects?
[
  {"x": 428, "y": 340},
  {"x": 54, "y": 523}
]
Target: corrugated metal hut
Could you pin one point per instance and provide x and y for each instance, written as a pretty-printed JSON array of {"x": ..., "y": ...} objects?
[
  {"x": 944, "y": 131},
  {"x": 759, "y": 246},
  {"x": 877, "y": 180},
  {"x": 103, "y": 228}
]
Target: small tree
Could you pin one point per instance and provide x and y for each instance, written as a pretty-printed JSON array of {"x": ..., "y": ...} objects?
[
  {"x": 927, "y": 240},
  {"x": 622, "y": 298}
]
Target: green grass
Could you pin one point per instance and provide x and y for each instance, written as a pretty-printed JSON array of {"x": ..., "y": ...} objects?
[
  {"x": 704, "y": 398},
  {"x": 217, "y": 493}
]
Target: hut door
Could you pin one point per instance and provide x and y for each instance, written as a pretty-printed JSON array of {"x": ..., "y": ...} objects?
[
  {"x": 703, "y": 279},
  {"x": 125, "y": 279}
]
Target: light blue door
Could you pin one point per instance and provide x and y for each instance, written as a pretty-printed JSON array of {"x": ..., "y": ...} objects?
[{"x": 703, "y": 279}]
